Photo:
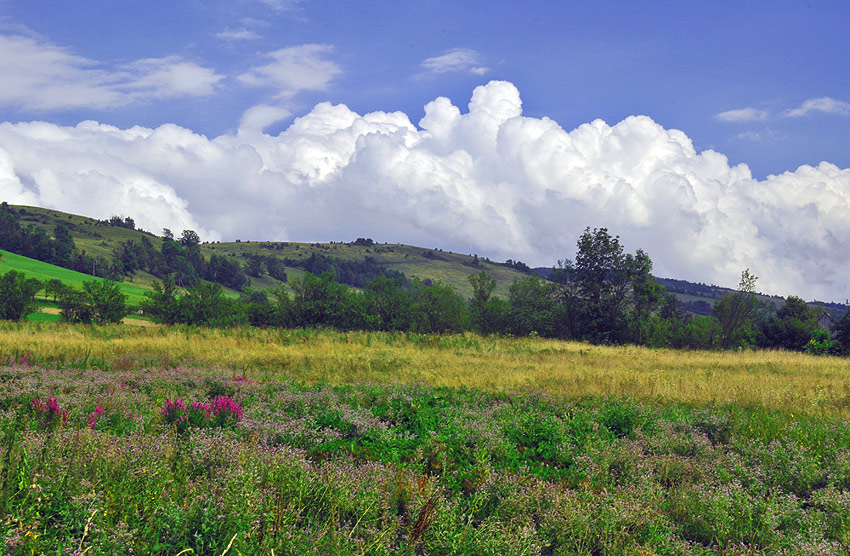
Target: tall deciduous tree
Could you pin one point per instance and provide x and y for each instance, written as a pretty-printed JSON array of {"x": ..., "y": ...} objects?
[
  {"x": 738, "y": 312},
  {"x": 480, "y": 308},
  {"x": 607, "y": 290},
  {"x": 162, "y": 303}
]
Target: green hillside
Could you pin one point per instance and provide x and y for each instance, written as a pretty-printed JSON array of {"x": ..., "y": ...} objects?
[
  {"x": 415, "y": 262},
  {"x": 44, "y": 271},
  {"x": 98, "y": 238}
]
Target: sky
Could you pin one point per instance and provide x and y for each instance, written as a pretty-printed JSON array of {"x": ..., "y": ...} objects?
[{"x": 714, "y": 136}]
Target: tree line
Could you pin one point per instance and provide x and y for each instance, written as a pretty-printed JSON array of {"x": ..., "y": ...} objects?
[{"x": 603, "y": 296}]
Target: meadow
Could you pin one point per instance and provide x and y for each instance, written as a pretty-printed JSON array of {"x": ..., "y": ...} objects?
[{"x": 167, "y": 440}]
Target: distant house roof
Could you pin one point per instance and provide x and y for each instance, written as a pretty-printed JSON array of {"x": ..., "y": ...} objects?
[{"x": 827, "y": 322}]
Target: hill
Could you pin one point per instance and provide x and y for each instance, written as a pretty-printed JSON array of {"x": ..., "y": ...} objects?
[{"x": 102, "y": 237}]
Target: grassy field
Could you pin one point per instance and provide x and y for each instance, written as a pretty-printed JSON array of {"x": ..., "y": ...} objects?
[
  {"x": 776, "y": 379},
  {"x": 176, "y": 440}
]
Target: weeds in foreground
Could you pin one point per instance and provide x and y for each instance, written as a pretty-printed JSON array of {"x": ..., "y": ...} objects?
[{"x": 404, "y": 469}]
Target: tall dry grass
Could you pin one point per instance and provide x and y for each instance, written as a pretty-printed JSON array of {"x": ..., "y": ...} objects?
[{"x": 782, "y": 380}]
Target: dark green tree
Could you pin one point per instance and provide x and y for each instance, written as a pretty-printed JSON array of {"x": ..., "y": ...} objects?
[
  {"x": 74, "y": 306},
  {"x": 255, "y": 266},
  {"x": 386, "y": 304},
  {"x": 482, "y": 311},
  {"x": 17, "y": 295},
  {"x": 738, "y": 313},
  {"x": 11, "y": 233},
  {"x": 276, "y": 268},
  {"x": 607, "y": 291},
  {"x": 108, "y": 304},
  {"x": 322, "y": 301},
  {"x": 646, "y": 295},
  {"x": 54, "y": 288},
  {"x": 530, "y": 307},
  {"x": 63, "y": 245},
  {"x": 841, "y": 334},
  {"x": 190, "y": 239},
  {"x": 791, "y": 327},
  {"x": 437, "y": 308},
  {"x": 162, "y": 303},
  {"x": 204, "y": 304}
]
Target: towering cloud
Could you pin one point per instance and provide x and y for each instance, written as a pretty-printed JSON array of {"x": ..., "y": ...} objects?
[{"x": 488, "y": 181}]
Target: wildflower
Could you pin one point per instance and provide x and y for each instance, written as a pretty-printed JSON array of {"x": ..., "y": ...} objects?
[
  {"x": 48, "y": 412},
  {"x": 92, "y": 420}
]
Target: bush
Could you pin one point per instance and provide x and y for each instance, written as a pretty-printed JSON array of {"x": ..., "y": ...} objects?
[{"x": 821, "y": 344}]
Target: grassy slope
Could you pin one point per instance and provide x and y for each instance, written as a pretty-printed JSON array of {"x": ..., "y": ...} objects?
[
  {"x": 45, "y": 271},
  {"x": 414, "y": 262},
  {"x": 450, "y": 268}
]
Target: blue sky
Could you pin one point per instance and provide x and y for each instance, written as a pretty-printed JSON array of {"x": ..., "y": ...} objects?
[
  {"x": 762, "y": 84},
  {"x": 677, "y": 62}
]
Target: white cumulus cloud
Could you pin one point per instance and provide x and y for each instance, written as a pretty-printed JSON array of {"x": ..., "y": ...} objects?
[
  {"x": 484, "y": 180},
  {"x": 825, "y": 104}
]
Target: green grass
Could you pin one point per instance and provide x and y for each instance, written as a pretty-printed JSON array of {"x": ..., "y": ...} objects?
[
  {"x": 43, "y": 317},
  {"x": 45, "y": 271}
]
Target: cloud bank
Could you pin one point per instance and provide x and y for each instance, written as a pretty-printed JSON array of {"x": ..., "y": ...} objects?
[{"x": 486, "y": 181}]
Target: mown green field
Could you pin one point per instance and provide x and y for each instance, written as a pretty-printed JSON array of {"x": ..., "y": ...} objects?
[
  {"x": 45, "y": 271},
  {"x": 178, "y": 440}
]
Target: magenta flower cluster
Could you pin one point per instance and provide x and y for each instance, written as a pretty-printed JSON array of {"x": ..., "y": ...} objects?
[
  {"x": 92, "y": 420},
  {"x": 48, "y": 412},
  {"x": 221, "y": 412}
]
